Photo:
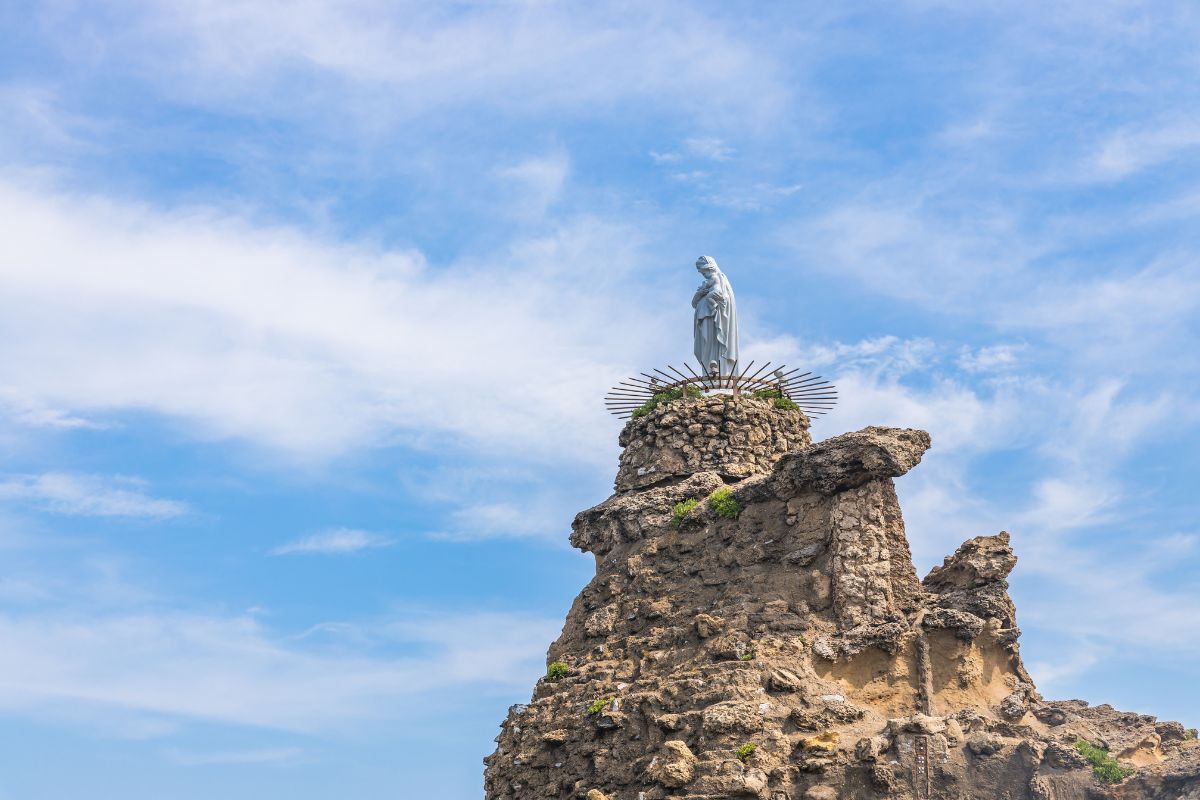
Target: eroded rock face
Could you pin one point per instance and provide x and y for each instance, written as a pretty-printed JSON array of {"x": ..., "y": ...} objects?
[{"x": 800, "y": 628}]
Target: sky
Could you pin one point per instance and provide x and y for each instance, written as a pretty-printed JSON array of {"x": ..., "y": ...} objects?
[{"x": 307, "y": 310}]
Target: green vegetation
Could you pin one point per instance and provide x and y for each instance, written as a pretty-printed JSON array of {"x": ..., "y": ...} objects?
[
  {"x": 1104, "y": 766},
  {"x": 723, "y": 504},
  {"x": 665, "y": 397},
  {"x": 1190, "y": 733},
  {"x": 598, "y": 705},
  {"x": 556, "y": 670},
  {"x": 745, "y": 751},
  {"x": 681, "y": 510},
  {"x": 777, "y": 397},
  {"x": 748, "y": 656}
]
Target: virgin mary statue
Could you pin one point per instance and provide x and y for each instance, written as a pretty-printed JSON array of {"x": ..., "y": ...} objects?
[{"x": 716, "y": 319}]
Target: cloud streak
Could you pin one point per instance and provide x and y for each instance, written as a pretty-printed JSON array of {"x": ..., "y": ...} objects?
[
  {"x": 89, "y": 495},
  {"x": 340, "y": 541},
  {"x": 189, "y": 667}
]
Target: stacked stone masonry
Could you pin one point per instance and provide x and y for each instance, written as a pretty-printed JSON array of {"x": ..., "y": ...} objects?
[
  {"x": 734, "y": 437},
  {"x": 801, "y": 628}
]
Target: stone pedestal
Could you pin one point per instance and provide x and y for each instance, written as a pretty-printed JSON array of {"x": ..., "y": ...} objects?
[{"x": 733, "y": 436}]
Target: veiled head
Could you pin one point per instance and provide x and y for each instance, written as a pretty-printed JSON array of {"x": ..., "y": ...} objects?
[{"x": 706, "y": 265}]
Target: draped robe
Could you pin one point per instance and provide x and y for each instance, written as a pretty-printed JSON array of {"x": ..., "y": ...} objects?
[{"x": 716, "y": 336}]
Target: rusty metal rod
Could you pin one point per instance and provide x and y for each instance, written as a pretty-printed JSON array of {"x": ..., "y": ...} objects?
[
  {"x": 677, "y": 372},
  {"x": 758, "y": 372}
]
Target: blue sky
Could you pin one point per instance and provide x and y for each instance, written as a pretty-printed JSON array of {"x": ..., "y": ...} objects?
[{"x": 307, "y": 310}]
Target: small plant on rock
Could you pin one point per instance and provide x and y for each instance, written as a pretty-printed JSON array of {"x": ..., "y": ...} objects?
[
  {"x": 745, "y": 751},
  {"x": 598, "y": 705},
  {"x": 777, "y": 398},
  {"x": 556, "y": 670},
  {"x": 665, "y": 397},
  {"x": 1190, "y": 734},
  {"x": 1104, "y": 767},
  {"x": 681, "y": 510},
  {"x": 723, "y": 504}
]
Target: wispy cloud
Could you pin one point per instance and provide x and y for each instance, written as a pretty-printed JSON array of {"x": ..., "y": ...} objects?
[
  {"x": 301, "y": 345},
  {"x": 703, "y": 148},
  {"x": 89, "y": 495},
  {"x": 416, "y": 58},
  {"x": 272, "y": 755},
  {"x": 1130, "y": 151},
  {"x": 507, "y": 519},
  {"x": 540, "y": 180},
  {"x": 231, "y": 669},
  {"x": 340, "y": 541}
]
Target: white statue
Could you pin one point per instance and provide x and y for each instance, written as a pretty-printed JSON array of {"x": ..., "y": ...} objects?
[{"x": 716, "y": 319}]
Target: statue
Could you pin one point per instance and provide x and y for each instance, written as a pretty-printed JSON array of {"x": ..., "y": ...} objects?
[{"x": 716, "y": 332}]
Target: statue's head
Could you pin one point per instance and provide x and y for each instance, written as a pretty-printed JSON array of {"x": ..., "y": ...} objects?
[{"x": 707, "y": 266}]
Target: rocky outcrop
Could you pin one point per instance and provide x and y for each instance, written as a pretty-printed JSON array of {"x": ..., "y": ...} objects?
[
  {"x": 788, "y": 650},
  {"x": 734, "y": 437}
]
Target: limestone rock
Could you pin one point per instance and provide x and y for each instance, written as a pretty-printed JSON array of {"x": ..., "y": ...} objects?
[
  {"x": 977, "y": 561},
  {"x": 799, "y": 627},
  {"x": 674, "y": 766},
  {"x": 707, "y": 626},
  {"x": 827, "y": 741},
  {"x": 853, "y": 459}
]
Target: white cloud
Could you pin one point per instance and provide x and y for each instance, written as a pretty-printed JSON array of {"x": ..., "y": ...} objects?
[
  {"x": 708, "y": 147},
  {"x": 993, "y": 358},
  {"x": 870, "y": 376},
  {"x": 911, "y": 249},
  {"x": 89, "y": 495},
  {"x": 87, "y": 668},
  {"x": 384, "y": 61},
  {"x": 1130, "y": 151},
  {"x": 1059, "y": 504},
  {"x": 269, "y": 755},
  {"x": 538, "y": 518},
  {"x": 541, "y": 181},
  {"x": 1010, "y": 275},
  {"x": 303, "y": 346},
  {"x": 1070, "y": 666},
  {"x": 334, "y": 542}
]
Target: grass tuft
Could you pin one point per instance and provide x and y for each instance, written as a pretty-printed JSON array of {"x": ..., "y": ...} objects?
[
  {"x": 777, "y": 397},
  {"x": 681, "y": 510},
  {"x": 723, "y": 505},
  {"x": 598, "y": 705},
  {"x": 1104, "y": 767},
  {"x": 665, "y": 397}
]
